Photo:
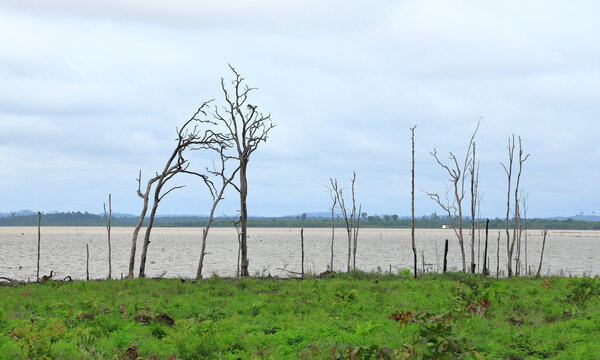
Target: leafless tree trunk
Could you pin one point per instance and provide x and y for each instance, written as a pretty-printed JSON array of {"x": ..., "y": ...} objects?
[
  {"x": 39, "y": 245},
  {"x": 87, "y": 262},
  {"x": 525, "y": 231},
  {"x": 479, "y": 198},
  {"x": 412, "y": 203},
  {"x": 355, "y": 232},
  {"x": 145, "y": 197},
  {"x": 518, "y": 254},
  {"x": 302, "y": 250},
  {"x": 474, "y": 184},
  {"x": 517, "y": 225},
  {"x": 457, "y": 178},
  {"x": 498, "y": 256},
  {"x": 352, "y": 224},
  {"x": 508, "y": 170},
  {"x": 544, "y": 233},
  {"x": 108, "y": 218},
  {"x": 510, "y": 244},
  {"x": 226, "y": 180},
  {"x": 334, "y": 202},
  {"x": 247, "y": 128},
  {"x": 239, "y": 238},
  {"x": 445, "y": 256},
  {"x": 187, "y": 138},
  {"x": 485, "y": 263}
]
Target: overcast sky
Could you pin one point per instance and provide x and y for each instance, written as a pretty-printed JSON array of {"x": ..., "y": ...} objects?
[{"x": 92, "y": 91}]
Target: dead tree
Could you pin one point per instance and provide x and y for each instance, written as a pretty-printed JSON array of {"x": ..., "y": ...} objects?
[
  {"x": 145, "y": 197},
  {"x": 544, "y": 233},
  {"x": 474, "y": 174},
  {"x": 223, "y": 143},
  {"x": 412, "y": 203},
  {"x": 108, "y": 218},
  {"x": 356, "y": 227},
  {"x": 37, "y": 276},
  {"x": 508, "y": 170},
  {"x": 247, "y": 127},
  {"x": 498, "y": 256},
  {"x": 458, "y": 176},
  {"x": 188, "y": 136},
  {"x": 351, "y": 221},
  {"x": 334, "y": 202},
  {"x": 511, "y": 243}
]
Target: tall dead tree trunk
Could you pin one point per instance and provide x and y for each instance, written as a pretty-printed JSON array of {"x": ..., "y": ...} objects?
[
  {"x": 334, "y": 201},
  {"x": 352, "y": 224},
  {"x": 510, "y": 244},
  {"x": 508, "y": 170},
  {"x": 412, "y": 202},
  {"x": 544, "y": 233},
  {"x": 225, "y": 182},
  {"x": 187, "y": 138},
  {"x": 37, "y": 275},
  {"x": 145, "y": 197},
  {"x": 474, "y": 184},
  {"x": 108, "y": 218},
  {"x": 355, "y": 234},
  {"x": 247, "y": 128},
  {"x": 244, "y": 220},
  {"x": 457, "y": 178}
]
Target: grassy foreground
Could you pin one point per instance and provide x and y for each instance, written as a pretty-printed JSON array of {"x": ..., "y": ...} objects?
[{"x": 356, "y": 316}]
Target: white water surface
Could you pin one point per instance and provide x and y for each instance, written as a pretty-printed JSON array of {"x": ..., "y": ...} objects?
[{"x": 174, "y": 252}]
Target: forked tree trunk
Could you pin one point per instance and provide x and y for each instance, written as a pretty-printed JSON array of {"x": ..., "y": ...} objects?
[{"x": 145, "y": 196}]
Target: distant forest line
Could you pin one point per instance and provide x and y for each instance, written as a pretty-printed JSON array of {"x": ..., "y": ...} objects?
[{"x": 387, "y": 221}]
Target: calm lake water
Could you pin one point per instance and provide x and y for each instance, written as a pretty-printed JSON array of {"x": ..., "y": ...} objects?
[{"x": 174, "y": 252}]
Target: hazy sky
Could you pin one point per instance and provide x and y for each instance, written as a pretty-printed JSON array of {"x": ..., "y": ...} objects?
[{"x": 91, "y": 92}]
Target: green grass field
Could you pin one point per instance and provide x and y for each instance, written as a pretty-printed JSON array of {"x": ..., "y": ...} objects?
[{"x": 356, "y": 316}]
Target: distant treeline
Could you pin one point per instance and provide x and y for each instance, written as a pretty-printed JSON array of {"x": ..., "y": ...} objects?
[{"x": 387, "y": 221}]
